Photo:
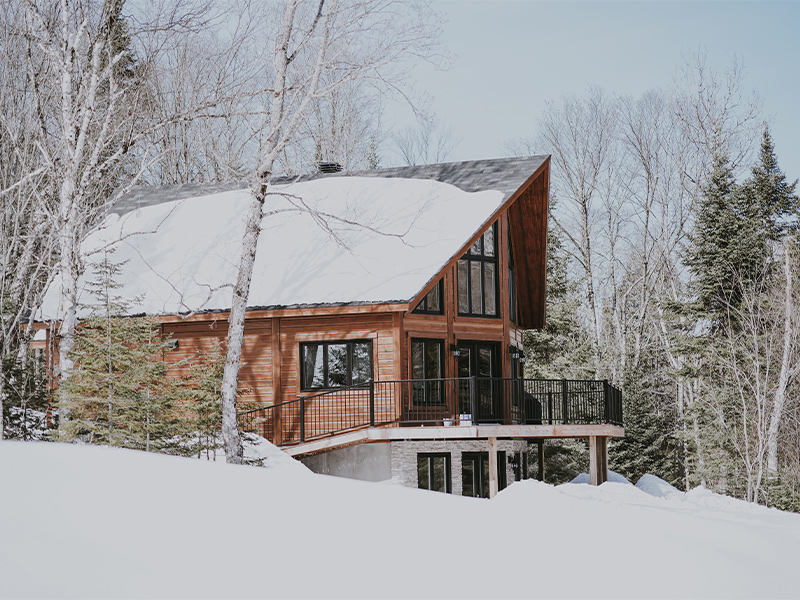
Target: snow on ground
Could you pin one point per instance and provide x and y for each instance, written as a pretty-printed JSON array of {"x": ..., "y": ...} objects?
[
  {"x": 89, "y": 522},
  {"x": 389, "y": 237}
]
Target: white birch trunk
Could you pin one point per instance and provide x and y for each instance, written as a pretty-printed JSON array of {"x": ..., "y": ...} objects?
[{"x": 779, "y": 398}]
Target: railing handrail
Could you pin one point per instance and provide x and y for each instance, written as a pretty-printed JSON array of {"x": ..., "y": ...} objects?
[{"x": 366, "y": 386}]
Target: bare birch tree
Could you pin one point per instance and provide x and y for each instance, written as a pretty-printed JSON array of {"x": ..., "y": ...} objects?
[{"x": 317, "y": 47}]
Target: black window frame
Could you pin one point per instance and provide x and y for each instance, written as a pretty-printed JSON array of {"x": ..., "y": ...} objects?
[
  {"x": 477, "y": 255},
  {"x": 422, "y": 307},
  {"x": 480, "y": 473},
  {"x": 448, "y": 475},
  {"x": 431, "y": 392},
  {"x": 350, "y": 344}
]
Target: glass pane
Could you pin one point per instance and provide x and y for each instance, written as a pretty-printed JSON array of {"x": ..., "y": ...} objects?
[
  {"x": 337, "y": 365},
  {"x": 313, "y": 371},
  {"x": 475, "y": 285},
  {"x": 485, "y": 362},
  {"x": 463, "y": 286},
  {"x": 438, "y": 474},
  {"x": 432, "y": 300},
  {"x": 417, "y": 360},
  {"x": 476, "y": 247},
  {"x": 464, "y": 363},
  {"x": 423, "y": 481},
  {"x": 467, "y": 476},
  {"x": 362, "y": 362},
  {"x": 488, "y": 242},
  {"x": 485, "y": 478},
  {"x": 433, "y": 363},
  {"x": 490, "y": 301}
]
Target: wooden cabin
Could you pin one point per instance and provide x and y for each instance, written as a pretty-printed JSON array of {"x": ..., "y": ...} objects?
[{"x": 383, "y": 338}]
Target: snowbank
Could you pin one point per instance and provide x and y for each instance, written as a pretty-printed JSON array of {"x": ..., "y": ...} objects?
[{"x": 89, "y": 522}]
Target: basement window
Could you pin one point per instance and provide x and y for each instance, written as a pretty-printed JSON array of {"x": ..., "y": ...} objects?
[
  {"x": 325, "y": 365},
  {"x": 433, "y": 471}
]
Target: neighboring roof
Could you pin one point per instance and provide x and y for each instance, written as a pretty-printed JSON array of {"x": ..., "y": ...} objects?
[{"x": 394, "y": 229}]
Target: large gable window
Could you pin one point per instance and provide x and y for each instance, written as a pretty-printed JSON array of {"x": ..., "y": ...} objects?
[
  {"x": 326, "y": 365},
  {"x": 477, "y": 277}
]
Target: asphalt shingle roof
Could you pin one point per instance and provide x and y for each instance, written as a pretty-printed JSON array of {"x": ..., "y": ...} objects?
[{"x": 503, "y": 174}]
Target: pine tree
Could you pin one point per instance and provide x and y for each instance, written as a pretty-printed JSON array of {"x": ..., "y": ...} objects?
[
  {"x": 119, "y": 394},
  {"x": 770, "y": 197},
  {"x": 203, "y": 401},
  {"x": 649, "y": 445},
  {"x": 712, "y": 252}
]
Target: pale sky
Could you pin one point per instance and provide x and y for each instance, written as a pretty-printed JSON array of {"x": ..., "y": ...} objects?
[{"x": 511, "y": 57}]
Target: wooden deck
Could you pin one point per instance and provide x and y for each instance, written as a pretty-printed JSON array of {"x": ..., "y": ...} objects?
[{"x": 389, "y": 434}]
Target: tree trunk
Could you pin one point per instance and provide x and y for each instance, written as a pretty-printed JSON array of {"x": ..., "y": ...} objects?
[
  {"x": 234, "y": 451},
  {"x": 779, "y": 399}
]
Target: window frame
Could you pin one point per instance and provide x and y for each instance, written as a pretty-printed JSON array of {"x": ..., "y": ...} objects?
[
  {"x": 438, "y": 392},
  {"x": 482, "y": 259},
  {"x": 448, "y": 475},
  {"x": 350, "y": 345},
  {"x": 422, "y": 307}
]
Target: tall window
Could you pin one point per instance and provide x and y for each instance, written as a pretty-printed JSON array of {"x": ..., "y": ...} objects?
[
  {"x": 427, "y": 364},
  {"x": 477, "y": 277},
  {"x": 432, "y": 302},
  {"x": 433, "y": 471},
  {"x": 335, "y": 364}
]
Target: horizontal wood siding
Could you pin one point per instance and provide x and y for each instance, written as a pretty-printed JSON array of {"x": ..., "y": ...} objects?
[{"x": 255, "y": 375}]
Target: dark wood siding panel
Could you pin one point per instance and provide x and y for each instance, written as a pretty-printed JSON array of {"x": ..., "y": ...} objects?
[{"x": 528, "y": 228}]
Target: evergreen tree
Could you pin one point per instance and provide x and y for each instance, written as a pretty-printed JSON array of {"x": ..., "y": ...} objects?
[
  {"x": 26, "y": 396},
  {"x": 713, "y": 252},
  {"x": 649, "y": 445},
  {"x": 119, "y": 394},
  {"x": 736, "y": 228},
  {"x": 770, "y": 197},
  {"x": 203, "y": 401}
]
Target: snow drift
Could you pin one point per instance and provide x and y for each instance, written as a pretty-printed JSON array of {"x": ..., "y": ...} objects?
[{"x": 89, "y": 522}]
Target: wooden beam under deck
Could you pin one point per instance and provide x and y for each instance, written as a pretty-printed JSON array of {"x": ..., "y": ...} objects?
[{"x": 390, "y": 434}]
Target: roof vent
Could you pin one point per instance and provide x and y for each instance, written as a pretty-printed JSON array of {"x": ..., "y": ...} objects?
[{"x": 329, "y": 167}]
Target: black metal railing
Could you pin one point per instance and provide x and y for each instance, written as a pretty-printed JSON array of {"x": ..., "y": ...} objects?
[{"x": 443, "y": 402}]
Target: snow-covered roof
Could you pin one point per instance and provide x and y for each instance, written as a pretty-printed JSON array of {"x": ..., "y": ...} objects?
[{"x": 369, "y": 237}]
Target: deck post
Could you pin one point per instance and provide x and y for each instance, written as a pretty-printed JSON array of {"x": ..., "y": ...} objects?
[
  {"x": 540, "y": 459},
  {"x": 564, "y": 405},
  {"x": 492, "y": 467},
  {"x": 598, "y": 459},
  {"x": 371, "y": 403}
]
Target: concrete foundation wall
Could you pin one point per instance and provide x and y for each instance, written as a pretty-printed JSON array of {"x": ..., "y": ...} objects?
[
  {"x": 367, "y": 462},
  {"x": 398, "y": 460}
]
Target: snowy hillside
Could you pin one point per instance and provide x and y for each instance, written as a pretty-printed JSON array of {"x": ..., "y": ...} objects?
[{"x": 78, "y": 521}]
